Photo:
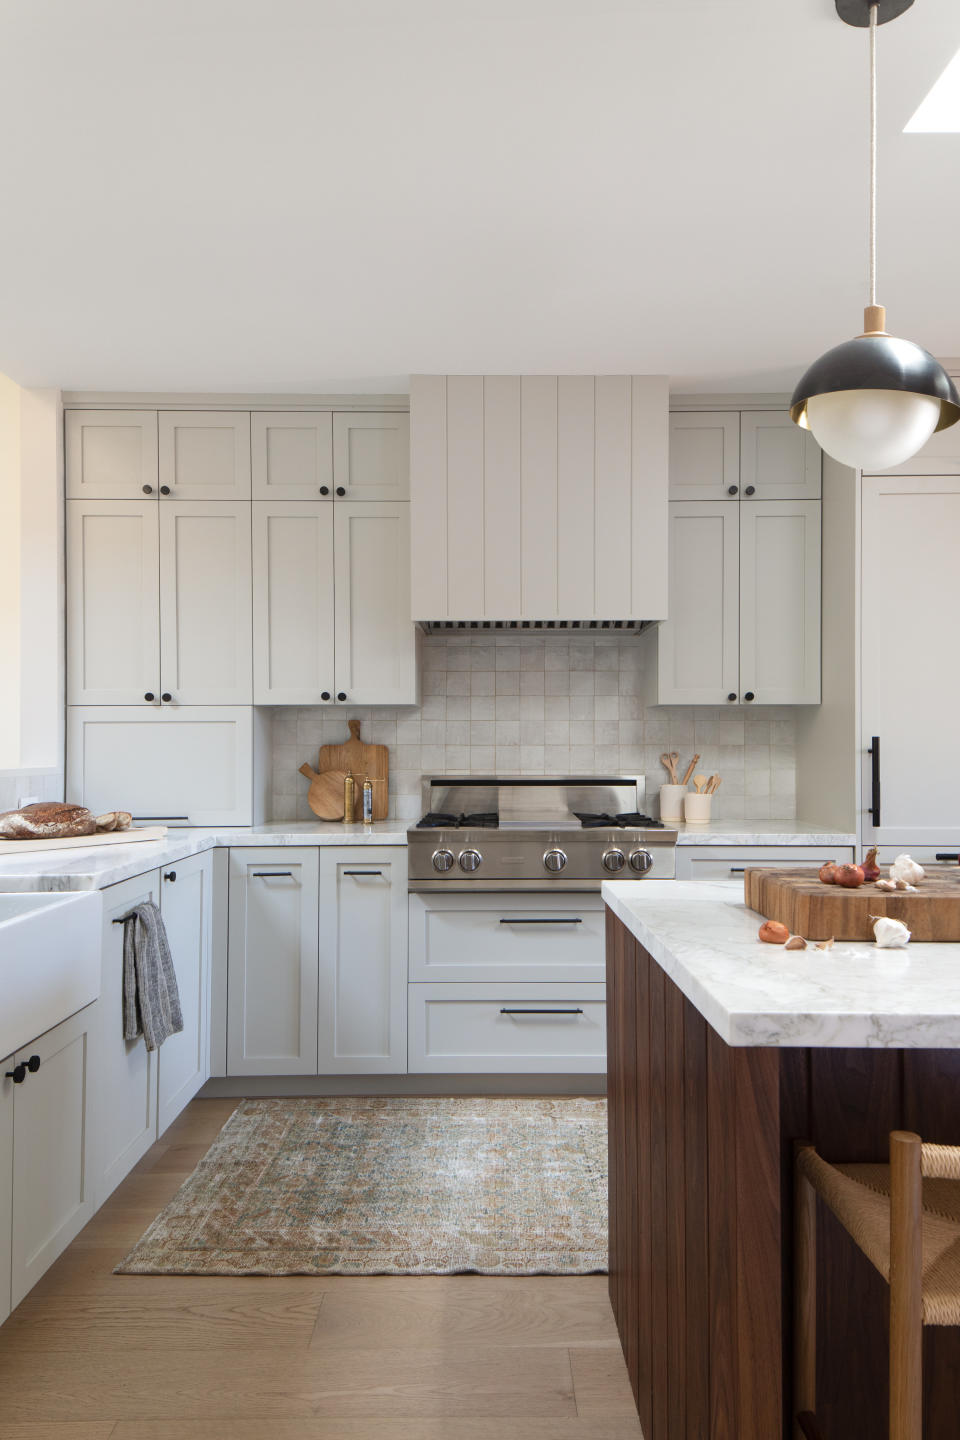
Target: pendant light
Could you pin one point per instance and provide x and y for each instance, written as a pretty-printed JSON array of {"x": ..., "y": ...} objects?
[{"x": 874, "y": 401}]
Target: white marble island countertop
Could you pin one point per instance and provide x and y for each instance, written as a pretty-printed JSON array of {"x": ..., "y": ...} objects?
[
  {"x": 855, "y": 995},
  {"x": 95, "y": 866}
]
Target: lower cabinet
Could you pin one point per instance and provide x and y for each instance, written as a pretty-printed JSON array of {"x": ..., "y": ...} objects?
[
  {"x": 317, "y": 961},
  {"x": 47, "y": 1142},
  {"x": 512, "y": 1029},
  {"x": 128, "y": 1070},
  {"x": 183, "y": 1061}
]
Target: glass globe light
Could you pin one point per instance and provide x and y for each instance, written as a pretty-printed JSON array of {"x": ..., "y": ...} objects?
[{"x": 872, "y": 429}]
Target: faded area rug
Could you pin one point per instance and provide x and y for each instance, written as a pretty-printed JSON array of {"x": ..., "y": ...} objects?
[{"x": 376, "y": 1186}]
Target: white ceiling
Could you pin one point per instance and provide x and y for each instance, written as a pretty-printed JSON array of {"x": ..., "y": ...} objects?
[{"x": 318, "y": 195}]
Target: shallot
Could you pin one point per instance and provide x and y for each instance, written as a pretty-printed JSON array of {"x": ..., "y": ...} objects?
[
  {"x": 850, "y": 876},
  {"x": 828, "y": 872},
  {"x": 869, "y": 864},
  {"x": 773, "y": 932},
  {"x": 888, "y": 933}
]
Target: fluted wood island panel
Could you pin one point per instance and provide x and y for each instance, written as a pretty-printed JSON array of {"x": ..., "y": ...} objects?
[{"x": 701, "y": 1139}]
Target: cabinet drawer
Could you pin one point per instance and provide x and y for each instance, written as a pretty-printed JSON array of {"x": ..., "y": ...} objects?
[
  {"x": 506, "y": 937},
  {"x": 512, "y": 1029},
  {"x": 721, "y": 862}
]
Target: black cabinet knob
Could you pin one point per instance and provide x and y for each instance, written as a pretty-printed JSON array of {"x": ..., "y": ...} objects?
[
  {"x": 732, "y": 489},
  {"x": 33, "y": 1064},
  {"x": 749, "y": 695},
  {"x": 341, "y": 694},
  {"x": 164, "y": 489},
  {"x": 170, "y": 875},
  {"x": 149, "y": 695},
  {"x": 732, "y": 695},
  {"x": 148, "y": 489},
  {"x": 324, "y": 694},
  {"x": 18, "y": 1074},
  {"x": 340, "y": 490},
  {"x": 166, "y": 697},
  {"x": 750, "y": 490},
  {"x": 324, "y": 489}
]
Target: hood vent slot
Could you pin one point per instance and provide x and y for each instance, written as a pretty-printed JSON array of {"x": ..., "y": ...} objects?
[{"x": 588, "y": 627}]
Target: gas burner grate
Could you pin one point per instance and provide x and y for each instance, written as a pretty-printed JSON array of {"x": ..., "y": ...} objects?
[
  {"x": 481, "y": 820},
  {"x": 631, "y": 821}
]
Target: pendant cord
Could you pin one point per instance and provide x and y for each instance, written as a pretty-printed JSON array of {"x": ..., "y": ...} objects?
[{"x": 873, "y": 154}]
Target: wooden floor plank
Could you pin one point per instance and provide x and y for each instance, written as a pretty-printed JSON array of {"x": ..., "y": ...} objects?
[
  {"x": 95, "y": 1430},
  {"x": 601, "y": 1387},
  {"x": 396, "y": 1312},
  {"x": 205, "y": 1381}
]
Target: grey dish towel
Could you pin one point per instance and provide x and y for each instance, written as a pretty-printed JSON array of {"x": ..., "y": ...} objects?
[{"x": 151, "y": 1000}]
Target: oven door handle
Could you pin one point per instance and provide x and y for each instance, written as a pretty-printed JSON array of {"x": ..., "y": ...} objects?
[{"x": 551, "y": 920}]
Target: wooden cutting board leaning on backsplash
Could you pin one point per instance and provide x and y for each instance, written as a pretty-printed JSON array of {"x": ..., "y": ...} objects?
[
  {"x": 354, "y": 758},
  {"x": 800, "y": 900}
]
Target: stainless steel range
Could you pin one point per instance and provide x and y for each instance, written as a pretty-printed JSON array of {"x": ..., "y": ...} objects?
[{"x": 513, "y": 832}]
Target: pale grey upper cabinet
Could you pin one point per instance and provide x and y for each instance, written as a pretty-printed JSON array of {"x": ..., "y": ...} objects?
[
  {"x": 371, "y": 455},
  {"x": 539, "y": 497},
  {"x": 742, "y": 456},
  {"x": 705, "y": 455},
  {"x": 292, "y": 455},
  {"x": 778, "y": 460},
  {"x": 111, "y": 454},
  {"x": 204, "y": 454}
]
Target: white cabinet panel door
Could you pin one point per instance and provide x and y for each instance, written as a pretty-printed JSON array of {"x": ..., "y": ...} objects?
[
  {"x": 698, "y": 647},
  {"x": 53, "y": 1124},
  {"x": 507, "y": 1029},
  {"x": 705, "y": 455},
  {"x": 778, "y": 460},
  {"x": 293, "y": 605},
  {"x": 205, "y": 455},
  {"x": 113, "y": 602},
  {"x": 375, "y": 647},
  {"x": 507, "y": 937},
  {"x": 205, "y": 603},
  {"x": 371, "y": 456},
  {"x": 127, "y": 1070},
  {"x": 7, "y": 1091},
  {"x": 111, "y": 454},
  {"x": 910, "y": 683},
  {"x": 292, "y": 456},
  {"x": 183, "y": 1061},
  {"x": 183, "y": 765},
  {"x": 363, "y": 961},
  {"x": 780, "y": 602},
  {"x": 272, "y": 979}
]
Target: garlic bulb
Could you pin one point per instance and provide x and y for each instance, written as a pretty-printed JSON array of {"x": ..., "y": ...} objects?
[
  {"x": 907, "y": 869},
  {"x": 889, "y": 934}
]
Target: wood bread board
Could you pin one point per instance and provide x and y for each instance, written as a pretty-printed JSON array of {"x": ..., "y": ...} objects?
[
  {"x": 325, "y": 797},
  {"x": 800, "y": 900},
  {"x": 362, "y": 761},
  {"x": 76, "y": 842}
]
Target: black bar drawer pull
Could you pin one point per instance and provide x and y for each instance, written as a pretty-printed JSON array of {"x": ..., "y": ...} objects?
[
  {"x": 874, "y": 753},
  {"x": 161, "y": 817},
  {"x": 505, "y": 1011},
  {"x": 271, "y": 874},
  {"x": 552, "y": 920},
  {"x": 737, "y": 869},
  {"x": 954, "y": 856},
  {"x": 363, "y": 872}
]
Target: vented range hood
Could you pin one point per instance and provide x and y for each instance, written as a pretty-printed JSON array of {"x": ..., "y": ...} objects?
[
  {"x": 538, "y": 498},
  {"x": 587, "y": 627}
]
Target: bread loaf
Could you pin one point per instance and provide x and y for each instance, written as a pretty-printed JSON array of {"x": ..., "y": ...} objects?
[
  {"x": 114, "y": 820},
  {"x": 49, "y": 820}
]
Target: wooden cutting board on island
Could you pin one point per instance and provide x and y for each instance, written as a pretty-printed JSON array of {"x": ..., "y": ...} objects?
[{"x": 800, "y": 900}]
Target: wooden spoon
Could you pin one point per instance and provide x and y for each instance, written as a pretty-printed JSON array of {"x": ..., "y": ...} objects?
[
  {"x": 699, "y": 781},
  {"x": 690, "y": 769}
]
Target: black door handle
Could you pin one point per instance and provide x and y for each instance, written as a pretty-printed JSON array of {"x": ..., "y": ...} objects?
[
  {"x": 164, "y": 489},
  {"x": 577, "y": 1011},
  {"x": 363, "y": 872},
  {"x": 271, "y": 874},
  {"x": 170, "y": 875},
  {"x": 553, "y": 920},
  {"x": 874, "y": 753},
  {"x": 33, "y": 1064},
  {"x": 18, "y": 1074},
  {"x": 954, "y": 856}
]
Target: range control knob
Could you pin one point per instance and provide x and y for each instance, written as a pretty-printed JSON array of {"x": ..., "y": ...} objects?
[
  {"x": 470, "y": 860},
  {"x": 443, "y": 860},
  {"x": 554, "y": 861},
  {"x": 614, "y": 860},
  {"x": 641, "y": 861}
]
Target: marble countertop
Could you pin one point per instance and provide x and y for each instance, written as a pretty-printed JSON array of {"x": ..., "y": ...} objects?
[
  {"x": 763, "y": 832},
  {"x": 704, "y": 937},
  {"x": 96, "y": 866}
]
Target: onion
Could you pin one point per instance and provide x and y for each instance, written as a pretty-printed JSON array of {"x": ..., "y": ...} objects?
[
  {"x": 773, "y": 933},
  {"x": 849, "y": 875},
  {"x": 828, "y": 873}
]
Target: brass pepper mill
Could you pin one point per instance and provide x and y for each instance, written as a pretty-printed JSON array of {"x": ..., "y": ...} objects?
[{"x": 349, "y": 799}]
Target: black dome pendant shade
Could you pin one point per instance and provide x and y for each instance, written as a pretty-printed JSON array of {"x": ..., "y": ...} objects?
[
  {"x": 878, "y": 361},
  {"x": 857, "y": 12}
]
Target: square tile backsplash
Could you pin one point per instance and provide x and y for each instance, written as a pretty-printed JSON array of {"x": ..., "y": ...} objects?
[{"x": 545, "y": 705}]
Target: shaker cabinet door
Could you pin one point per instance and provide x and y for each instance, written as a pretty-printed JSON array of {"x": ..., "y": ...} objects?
[
  {"x": 780, "y": 602},
  {"x": 778, "y": 459},
  {"x": 375, "y": 641},
  {"x": 110, "y": 454},
  {"x": 293, "y": 602},
  {"x": 113, "y": 602},
  {"x": 183, "y": 1061},
  {"x": 292, "y": 455},
  {"x": 698, "y": 647},
  {"x": 205, "y": 603},
  {"x": 705, "y": 455},
  {"x": 371, "y": 456},
  {"x": 205, "y": 454}
]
